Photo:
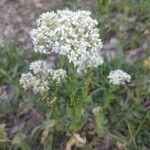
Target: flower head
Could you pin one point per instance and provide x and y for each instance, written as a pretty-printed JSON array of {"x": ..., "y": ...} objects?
[
  {"x": 72, "y": 34},
  {"x": 40, "y": 66},
  {"x": 27, "y": 80},
  {"x": 40, "y": 77},
  {"x": 118, "y": 77},
  {"x": 58, "y": 74},
  {"x": 38, "y": 84}
]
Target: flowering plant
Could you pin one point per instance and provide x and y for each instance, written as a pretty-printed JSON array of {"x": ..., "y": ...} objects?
[{"x": 67, "y": 86}]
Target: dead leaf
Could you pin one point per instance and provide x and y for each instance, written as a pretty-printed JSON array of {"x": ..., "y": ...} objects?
[
  {"x": 76, "y": 140},
  {"x": 3, "y": 135},
  {"x": 44, "y": 135},
  {"x": 45, "y": 131},
  {"x": 16, "y": 140}
]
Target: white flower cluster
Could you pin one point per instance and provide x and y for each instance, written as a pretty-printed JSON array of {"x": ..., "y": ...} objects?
[
  {"x": 72, "y": 34},
  {"x": 39, "y": 67},
  {"x": 40, "y": 77},
  {"x": 118, "y": 77},
  {"x": 27, "y": 80},
  {"x": 58, "y": 74}
]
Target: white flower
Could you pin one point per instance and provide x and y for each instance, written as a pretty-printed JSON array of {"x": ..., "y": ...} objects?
[
  {"x": 36, "y": 83},
  {"x": 40, "y": 67},
  {"x": 118, "y": 77},
  {"x": 41, "y": 77},
  {"x": 27, "y": 80},
  {"x": 40, "y": 85},
  {"x": 58, "y": 74},
  {"x": 72, "y": 34}
]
